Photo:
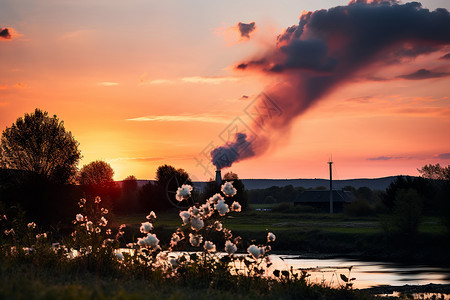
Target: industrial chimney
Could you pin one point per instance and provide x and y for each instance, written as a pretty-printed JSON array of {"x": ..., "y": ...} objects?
[{"x": 218, "y": 178}]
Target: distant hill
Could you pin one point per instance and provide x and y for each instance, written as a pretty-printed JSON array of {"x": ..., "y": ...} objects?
[
  {"x": 252, "y": 184},
  {"x": 374, "y": 184}
]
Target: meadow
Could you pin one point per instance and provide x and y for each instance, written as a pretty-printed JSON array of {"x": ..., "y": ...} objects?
[{"x": 323, "y": 234}]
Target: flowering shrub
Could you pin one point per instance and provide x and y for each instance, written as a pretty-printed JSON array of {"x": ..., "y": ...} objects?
[{"x": 201, "y": 246}]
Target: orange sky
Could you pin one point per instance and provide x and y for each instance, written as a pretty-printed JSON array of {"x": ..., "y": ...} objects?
[{"x": 143, "y": 84}]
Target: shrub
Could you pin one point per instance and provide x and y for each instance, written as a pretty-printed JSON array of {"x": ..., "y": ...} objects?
[{"x": 359, "y": 208}]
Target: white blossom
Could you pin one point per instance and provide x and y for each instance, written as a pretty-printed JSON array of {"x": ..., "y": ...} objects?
[
  {"x": 150, "y": 240},
  {"x": 151, "y": 215},
  {"x": 255, "y": 251},
  {"x": 89, "y": 226},
  {"x": 205, "y": 210},
  {"x": 271, "y": 237},
  {"x": 185, "y": 215},
  {"x": 209, "y": 246},
  {"x": 146, "y": 227},
  {"x": 222, "y": 207},
  {"x": 31, "y": 225},
  {"x": 235, "y": 206},
  {"x": 174, "y": 240},
  {"x": 103, "y": 221},
  {"x": 194, "y": 211},
  {"x": 215, "y": 198},
  {"x": 228, "y": 189},
  {"x": 197, "y": 223},
  {"x": 183, "y": 192},
  {"x": 230, "y": 248},
  {"x": 195, "y": 239},
  {"x": 28, "y": 250},
  {"x": 174, "y": 262},
  {"x": 79, "y": 217},
  {"x": 41, "y": 236},
  {"x": 218, "y": 226},
  {"x": 97, "y": 200},
  {"x": 119, "y": 255}
]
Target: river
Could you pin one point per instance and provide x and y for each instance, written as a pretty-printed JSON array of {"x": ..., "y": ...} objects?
[{"x": 366, "y": 274}]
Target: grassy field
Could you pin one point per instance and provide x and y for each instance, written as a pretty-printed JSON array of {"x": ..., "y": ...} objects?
[{"x": 321, "y": 233}]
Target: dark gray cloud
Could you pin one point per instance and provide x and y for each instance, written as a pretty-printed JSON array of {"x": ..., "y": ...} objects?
[
  {"x": 444, "y": 156},
  {"x": 446, "y": 56},
  {"x": 246, "y": 29},
  {"x": 327, "y": 48},
  {"x": 384, "y": 158},
  {"x": 423, "y": 74},
  {"x": 352, "y": 2},
  {"x": 5, "y": 34}
]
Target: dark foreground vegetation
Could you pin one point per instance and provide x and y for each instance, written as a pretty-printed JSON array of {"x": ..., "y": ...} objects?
[{"x": 33, "y": 280}]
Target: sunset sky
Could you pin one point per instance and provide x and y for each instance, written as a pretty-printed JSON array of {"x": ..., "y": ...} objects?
[{"x": 142, "y": 83}]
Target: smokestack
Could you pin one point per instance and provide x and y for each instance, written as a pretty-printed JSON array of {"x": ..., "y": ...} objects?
[{"x": 218, "y": 177}]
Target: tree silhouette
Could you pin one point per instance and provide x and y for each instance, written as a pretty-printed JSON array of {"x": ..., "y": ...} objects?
[
  {"x": 435, "y": 172},
  {"x": 40, "y": 144},
  {"x": 96, "y": 173}
]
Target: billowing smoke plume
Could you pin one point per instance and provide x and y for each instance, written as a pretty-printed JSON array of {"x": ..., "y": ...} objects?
[
  {"x": 328, "y": 48},
  {"x": 224, "y": 156},
  {"x": 4, "y": 34},
  {"x": 246, "y": 29}
]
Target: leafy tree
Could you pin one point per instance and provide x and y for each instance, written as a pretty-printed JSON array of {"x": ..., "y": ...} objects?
[
  {"x": 426, "y": 189},
  {"x": 407, "y": 212},
  {"x": 441, "y": 181},
  {"x": 167, "y": 173},
  {"x": 160, "y": 195},
  {"x": 96, "y": 173},
  {"x": 40, "y": 144},
  {"x": 435, "y": 172},
  {"x": 130, "y": 184}
]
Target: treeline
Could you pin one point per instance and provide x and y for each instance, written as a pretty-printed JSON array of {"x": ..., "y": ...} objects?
[{"x": 48, "y": 202}]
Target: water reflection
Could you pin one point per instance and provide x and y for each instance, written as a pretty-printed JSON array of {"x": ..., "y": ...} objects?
[{"x": 367, "y": 274}]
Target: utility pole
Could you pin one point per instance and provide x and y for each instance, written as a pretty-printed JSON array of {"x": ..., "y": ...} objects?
[{"x": 331, "y": 186}]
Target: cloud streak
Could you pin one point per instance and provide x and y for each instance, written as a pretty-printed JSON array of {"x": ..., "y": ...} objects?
[
  {"x": 139, "y": 159},
  {"x": 383, "y": 158},
  {"x": 209, "y": 79},
  {"x": 423, "y": 74},
  {"x": 204, "y": 118},
  {"x": 192, "y": 79},
  {"x": 108, "y": 83},
  {"x": 443, "y": 156}
]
